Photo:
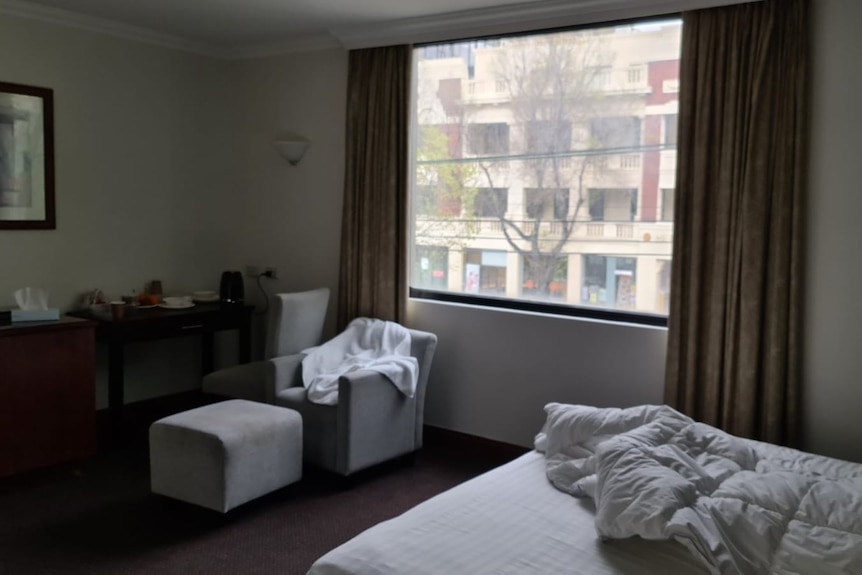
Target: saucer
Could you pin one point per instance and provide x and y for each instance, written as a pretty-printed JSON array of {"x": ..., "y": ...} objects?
[
  {"x": 184, "y": 306},
  {"x": 212, "y": 299}
]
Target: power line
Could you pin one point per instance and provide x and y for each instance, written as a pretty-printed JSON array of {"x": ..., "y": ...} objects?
[{"x": 568, "y": 154}]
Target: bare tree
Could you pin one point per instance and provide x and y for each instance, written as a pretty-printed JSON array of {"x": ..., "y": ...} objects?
[{"x": 553, "y": 86}]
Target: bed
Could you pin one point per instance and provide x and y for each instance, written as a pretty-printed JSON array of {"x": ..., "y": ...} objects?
[{"x": 643, "y": 490}]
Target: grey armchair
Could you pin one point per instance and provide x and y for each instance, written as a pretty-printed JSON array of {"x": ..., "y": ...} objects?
[
  {"x": 295, "y": 323},
  {"x": 372, "y": 421}
]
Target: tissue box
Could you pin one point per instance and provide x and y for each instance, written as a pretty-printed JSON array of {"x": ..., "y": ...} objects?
[{"x": 52, "y": 313}]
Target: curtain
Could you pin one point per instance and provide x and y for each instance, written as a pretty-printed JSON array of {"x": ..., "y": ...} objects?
[
  {"x": 736, "y": 293},
  {"x": 374, "y": 230}
]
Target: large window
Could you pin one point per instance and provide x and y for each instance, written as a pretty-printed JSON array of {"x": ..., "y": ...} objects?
[{"x": 536, "y": 166}]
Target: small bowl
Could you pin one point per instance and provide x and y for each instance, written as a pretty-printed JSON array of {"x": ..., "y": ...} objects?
[{"x": 176, "y": 301}]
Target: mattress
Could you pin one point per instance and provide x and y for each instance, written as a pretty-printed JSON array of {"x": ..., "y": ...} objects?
[{"x": 509, "y": 520}]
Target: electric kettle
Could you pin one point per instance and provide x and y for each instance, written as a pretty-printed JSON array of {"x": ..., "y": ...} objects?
[{"x": 231, "y": 290}]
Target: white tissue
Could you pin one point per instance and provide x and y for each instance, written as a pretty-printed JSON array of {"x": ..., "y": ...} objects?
[{"x": 31, "y": 298}]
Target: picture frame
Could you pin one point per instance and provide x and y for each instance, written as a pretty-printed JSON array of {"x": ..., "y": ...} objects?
[{"x": 26, "y": 157}]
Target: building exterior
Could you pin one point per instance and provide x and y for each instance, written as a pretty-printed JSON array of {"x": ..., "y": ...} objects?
[{"x": 544, "y": 166}]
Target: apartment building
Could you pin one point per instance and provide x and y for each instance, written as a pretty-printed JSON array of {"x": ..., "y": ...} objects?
[{"x": 544, "y": 166}]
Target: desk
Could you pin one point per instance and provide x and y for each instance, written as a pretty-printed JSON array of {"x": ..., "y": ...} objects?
[{"x": 203, "y": 319}]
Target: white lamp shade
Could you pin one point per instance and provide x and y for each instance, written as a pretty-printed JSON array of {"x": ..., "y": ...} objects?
[{"x": 291, "y": 150}]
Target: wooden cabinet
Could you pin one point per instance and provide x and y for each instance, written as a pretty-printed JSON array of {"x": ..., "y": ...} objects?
[{"x": 47, "y": 393}]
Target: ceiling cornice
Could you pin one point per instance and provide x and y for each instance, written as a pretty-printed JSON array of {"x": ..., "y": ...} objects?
[
  {"x": 304, "y": 43},
  {"x": 512, "y": 18},
  {"x": 523, "y": 17},
  {"x": 98, "y": 25}
]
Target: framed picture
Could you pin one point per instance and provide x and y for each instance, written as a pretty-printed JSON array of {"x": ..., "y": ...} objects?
[{"x": 26, "y": 157}]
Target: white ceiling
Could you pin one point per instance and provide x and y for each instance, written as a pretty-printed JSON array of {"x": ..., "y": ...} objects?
[
  {"x": 250, "y": 28},
  {"x": 229, "y": 24}
]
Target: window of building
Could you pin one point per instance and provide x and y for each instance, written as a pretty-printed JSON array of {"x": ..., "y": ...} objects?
[
  {"x": 613, "y": 205},
  {"x": 490, "y": 202},
  {"x": 667, "y": 204},
  {"x": 431, "y": 267},
  {"x": 545, "y": 276},
  {"x": 547, "y": 137},
  {"x": 488, "y": 139},
  {"x": 609, "y": 281},
  {"x": 485, "y": 272},
  {"x": 670, "y": 129},
  {"x": 612, "y": 133},
  {"x": 555, "y": 161},
  {"x": 546, "y": 204}
]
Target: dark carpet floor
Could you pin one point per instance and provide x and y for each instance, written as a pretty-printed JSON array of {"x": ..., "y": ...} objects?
[{"x": 99, "y": 517}]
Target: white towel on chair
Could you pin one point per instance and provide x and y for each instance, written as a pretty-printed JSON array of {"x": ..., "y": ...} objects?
[{"x": 366, "y": 343}]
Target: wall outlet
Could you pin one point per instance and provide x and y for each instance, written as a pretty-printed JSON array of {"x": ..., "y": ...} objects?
[
  {"x": 252, "y": 271},
  {"x": 272, "y": 272}
]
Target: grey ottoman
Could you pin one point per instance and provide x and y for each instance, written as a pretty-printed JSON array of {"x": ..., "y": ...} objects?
[{"x": 224, "y": 454}]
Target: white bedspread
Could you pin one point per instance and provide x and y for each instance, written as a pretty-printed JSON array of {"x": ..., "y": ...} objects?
[
  {"x": 509, "y": 521},
  {"x": 366, "y": 343},
  {"x": 740, "y": 506}
]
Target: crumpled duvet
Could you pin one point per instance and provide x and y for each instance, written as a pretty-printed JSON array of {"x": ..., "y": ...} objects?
[
  {"x": 741, "y": 506},
  {"x": 366, "y": 343}
]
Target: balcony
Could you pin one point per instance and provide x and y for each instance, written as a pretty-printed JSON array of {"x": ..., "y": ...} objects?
[{"x": 492, "y": 229}]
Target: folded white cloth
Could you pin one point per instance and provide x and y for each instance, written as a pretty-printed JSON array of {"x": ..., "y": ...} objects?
[{"x": 366, "y": 343}]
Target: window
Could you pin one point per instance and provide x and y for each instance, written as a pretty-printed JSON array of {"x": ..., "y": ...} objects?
[
  {"x": 539, "y": 196},
  {"x": 547, "y": 137},
  {"x": 612, "y": 133},
  {"x": 435, "y": 201},
  {"x": 490, "y": 203},
  {"x": 667, "y": 204},
  {"x": 613, "y": 205},
  {"x": 546, "y": 204},
  {"x": 488, "y": 139},
  {"x": 670, "y": 123},
  {"x": 485, "y": 272},
  {"x": 545, "y": 276},
  {"x": 431, "y": 267},
  {"x": 599, "y": 77},
  {"x": 609, "y": 281}
]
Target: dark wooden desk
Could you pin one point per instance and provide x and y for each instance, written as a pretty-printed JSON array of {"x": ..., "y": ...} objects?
[{"x": 203, "y": 319}]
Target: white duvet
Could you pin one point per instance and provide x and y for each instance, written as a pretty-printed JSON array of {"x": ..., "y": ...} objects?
[{"x": 738, "y": 505}]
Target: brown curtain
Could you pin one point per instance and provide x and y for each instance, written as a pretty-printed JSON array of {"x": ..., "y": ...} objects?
[
  {"x": 374, "y": 237},
  {"x": 736, "y": 300}
]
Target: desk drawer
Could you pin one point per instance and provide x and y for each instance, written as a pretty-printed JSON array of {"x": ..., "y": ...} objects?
[{"x": 159, "y": 323}]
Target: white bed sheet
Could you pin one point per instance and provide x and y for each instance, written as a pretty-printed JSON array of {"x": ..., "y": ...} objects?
[{"x": 507, "y": 521}]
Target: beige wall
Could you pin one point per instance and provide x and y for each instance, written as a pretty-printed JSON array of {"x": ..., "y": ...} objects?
[
  {"x": 833, "y": 362},
  {"x": 135, "y": 119},
  {"x": 142, "y": 150},
  {"x": 289, "y": 216}
]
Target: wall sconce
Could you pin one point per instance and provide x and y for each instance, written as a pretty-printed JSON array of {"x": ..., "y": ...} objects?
[{"x": 292, "y": 148}]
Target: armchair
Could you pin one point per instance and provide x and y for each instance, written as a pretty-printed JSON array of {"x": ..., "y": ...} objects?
[
  {"x": 372, "y": 421},
  {"x": 295, "y": 323}
]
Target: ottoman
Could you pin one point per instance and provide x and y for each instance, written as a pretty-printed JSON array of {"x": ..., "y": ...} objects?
[{"x": 225, "y": 454}]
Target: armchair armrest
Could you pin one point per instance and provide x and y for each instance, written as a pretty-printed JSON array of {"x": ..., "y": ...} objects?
[
  {"x": 257, "y": 381},
  {"x": 375, "y": 421},
  {"x": 287, "y": 371}
]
